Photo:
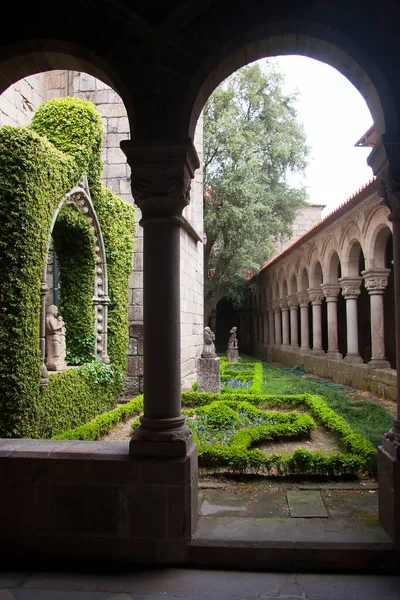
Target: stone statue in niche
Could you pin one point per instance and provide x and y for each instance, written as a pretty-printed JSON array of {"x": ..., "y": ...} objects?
[
  {"x": 208, "y": 346},
  {"x": 55, "y": 340},
  {"x": 232, "y": 353}
]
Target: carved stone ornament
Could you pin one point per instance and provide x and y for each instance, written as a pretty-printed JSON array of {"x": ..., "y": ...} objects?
[
  {"x": 293, "y": 301},
  {"x": 316, "y": 296},
  {"x": 161, "y": 175},
  {"x": 283, "y": 304},
  {"x": 376, "y": 285},
  {"x": 350, "y": 286},
  {"x": 269, "y": 307},
  {"x": 275, "y": 306},
  {"x": 331, "y": 291},
  {"x": 303, "y": 298}
]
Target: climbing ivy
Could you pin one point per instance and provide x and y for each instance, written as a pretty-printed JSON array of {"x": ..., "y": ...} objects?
[{"x": 35, "y": 173}]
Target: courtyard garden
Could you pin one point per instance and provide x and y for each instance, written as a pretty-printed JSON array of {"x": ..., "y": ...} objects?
[{"x": 270, "y": 422}]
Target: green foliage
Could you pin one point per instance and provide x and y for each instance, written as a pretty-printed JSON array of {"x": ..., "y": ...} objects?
[
  {"x": 357, "y": 452},
  {"x": 33, "y": 178},
  {"x": 34, "y": 175},
  {"x": 103, "y": 423},
  {"x": 241, "y": 372},
  {"x": 252, "y": 140},
  {"x": 74, "y": 245}
]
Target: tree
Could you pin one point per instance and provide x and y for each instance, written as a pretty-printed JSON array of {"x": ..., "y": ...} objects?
[{"x": 252, "y": 141}]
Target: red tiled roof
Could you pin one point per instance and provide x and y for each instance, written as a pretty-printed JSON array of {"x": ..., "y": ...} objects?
[{"x": 356, "y": 197}]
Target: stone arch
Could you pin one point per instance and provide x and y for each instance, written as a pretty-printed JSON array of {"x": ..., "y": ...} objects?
[
  {"x": 35, "y": 56},
  {"x": 80, "y": 197},
  {"x": 316, "y": 274},
  {"x": 352, "y": 251},
  {"x": 304, "y": 282},
  {"x": 284, "y": 288},
  {"x": 293, "y": 287},
  {"x": 309, "y": 39},
  {"x": 378, "y": 230},
  {"x": 333, "y": 267},
  {"x": 281, "y": 279}
]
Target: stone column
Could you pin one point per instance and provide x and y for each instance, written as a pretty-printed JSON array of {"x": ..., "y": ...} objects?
[
  {"x": 161, "y": 175},
  {"x": 266, "y": 329},
  {"x": 375, "y": 281},
  {"x": 351, "y": 291},
  {"x": 44, "y": 376},
  {"x": 331, "y": 291},
  {"x": 285, "y": 322},
  {"x": 278, "y": 327},
  {"x": 316, "y": 297},
  {"x": 304, "y": 320},
  {"x": 385, "y": 162},
  {"x": 293, "y": 303},
  {"x": 260, "y": 328},
  {"x": 271, "y": 325}
]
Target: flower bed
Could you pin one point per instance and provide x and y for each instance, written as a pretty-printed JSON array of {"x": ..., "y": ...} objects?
[{"x": 241, "y": 376}]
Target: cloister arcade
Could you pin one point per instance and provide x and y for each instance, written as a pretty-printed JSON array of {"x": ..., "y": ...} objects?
[
  {"x": 165, "y": 59},
  {"x": 326, "y": 302}
]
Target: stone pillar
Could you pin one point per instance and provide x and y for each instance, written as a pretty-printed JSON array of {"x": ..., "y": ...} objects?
[
  {"x": 375, "y": 281},
  {"x": 44, "y": 376},
  {"x": 304, "y": 320},
  {"x": 385, "y": 162},
  {"x": 351, "y": 291},
  {"x": 255, "y": 329},
  {"x": 278, "y": 326},
  {"x": 260, "y": 329},
  {"x": 161, "y": 175},
  {"x": 316, "y": 297},
  {"x": 331, "y": 291},
  {"x": 265, "y": 323},
  {"x": 271, "y": 325},
  {"x": 285, "y": 322},
  {"x": 293, "y": 303}
]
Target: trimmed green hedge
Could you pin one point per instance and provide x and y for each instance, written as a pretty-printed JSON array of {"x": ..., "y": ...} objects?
[
  {"x": 103, "y": 423},
  {"x": 241, "y": 371},
  {"x": 35, "y": 173},
  {"x": 358, "y": 453}
]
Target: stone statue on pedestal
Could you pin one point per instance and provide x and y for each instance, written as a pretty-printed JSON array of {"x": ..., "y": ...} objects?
[
  {"x": 208, "y": 346},
  {"x": 208, "y": 372},
  {"x": 55, "y": 340},
  {"x": 232, "y": 353}
]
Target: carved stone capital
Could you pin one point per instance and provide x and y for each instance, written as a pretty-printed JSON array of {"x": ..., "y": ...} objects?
[
  {"x": 376, "y": 280},
  {"x": 315, "y": 296},
  {"x": 293, "y": 301},
  {"x": 275, "y": 306},
  {"x": 161, "y": 175},
  {"x": 351, "y": 286},
  {"x": 331, "y": 291},
  {"x": 269, "y": 307},
  {"x": 283, "y": 303},
  {"x": 303, "y": 298}
]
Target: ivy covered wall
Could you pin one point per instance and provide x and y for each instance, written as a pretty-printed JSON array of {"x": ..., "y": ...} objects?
[{"x": 35, "y": 173}]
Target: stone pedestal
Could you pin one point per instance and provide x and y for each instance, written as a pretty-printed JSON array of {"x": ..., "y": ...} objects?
[
  {"x": 232, "y": 356},
  {"x": 208, "y": 375}
]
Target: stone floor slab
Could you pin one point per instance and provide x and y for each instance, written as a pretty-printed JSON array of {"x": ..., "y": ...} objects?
[
  {"x": 306, "y": 504},
  {"x": 269, "y": 504},
  {"x": 224, "y": 504},
  {"x": 342, "y": 504}
]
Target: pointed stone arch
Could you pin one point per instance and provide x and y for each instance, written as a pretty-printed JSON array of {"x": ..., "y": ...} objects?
[{"x": 79, "y": 196}]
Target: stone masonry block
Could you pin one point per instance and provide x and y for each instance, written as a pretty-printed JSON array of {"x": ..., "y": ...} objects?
[
  {"x": 132, "y": 347},
  {"x": 136, "y": 330},
  {"x": 135, "y": 366},
  {"x": 132, "y": 386},
  {"x": 135, "y": 313}
]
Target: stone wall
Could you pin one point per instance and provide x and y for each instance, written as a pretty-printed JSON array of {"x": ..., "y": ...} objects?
[
  {"x": 308, "y": 217},
  {"x": 17, "y": 106}
]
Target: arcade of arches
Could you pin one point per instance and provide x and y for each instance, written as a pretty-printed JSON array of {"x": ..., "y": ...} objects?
[
  {"x": 327, "y": 301},
  {"x": 138, "y": 503}
]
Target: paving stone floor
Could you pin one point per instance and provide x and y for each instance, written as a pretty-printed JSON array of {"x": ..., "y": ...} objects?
[{"x": 196, "y": 584}]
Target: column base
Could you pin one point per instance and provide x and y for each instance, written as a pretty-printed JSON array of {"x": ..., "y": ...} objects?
[
  {"x": 318, "y": 352},
  {"x": 379, "y": 363},
  {"x": 305, "y": 350},
  {"x": 389, "y": 488},
  {"x": 353, "y": 359},
  {"x": 333, "y": 354},
  {"x": 161, "y": 442}
]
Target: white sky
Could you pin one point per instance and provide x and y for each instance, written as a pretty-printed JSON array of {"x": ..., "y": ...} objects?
[{"x": 335, "y": 116}]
